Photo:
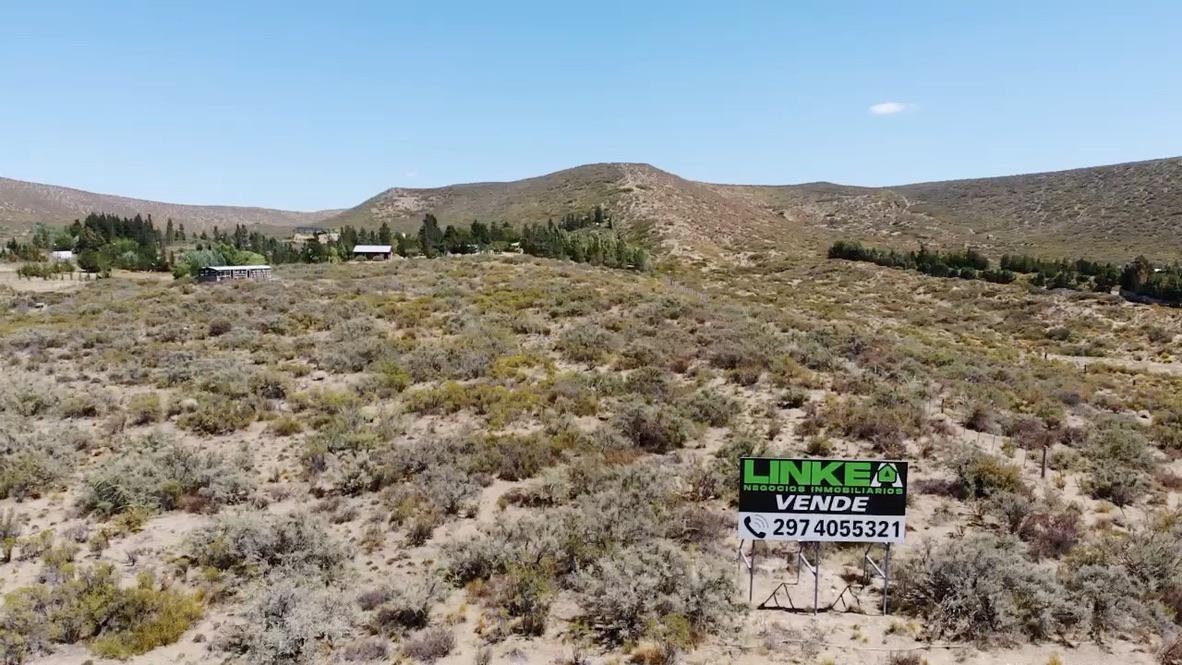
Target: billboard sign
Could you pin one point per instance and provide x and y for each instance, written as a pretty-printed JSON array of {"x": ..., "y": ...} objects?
[{"x": 822, "y": 500}]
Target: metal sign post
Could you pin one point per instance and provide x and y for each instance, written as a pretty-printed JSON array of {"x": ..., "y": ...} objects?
[
  {"x": 813, "y": 567},
  {"x": 748, "y": 562},
  {"x": 871, "y": 569}
]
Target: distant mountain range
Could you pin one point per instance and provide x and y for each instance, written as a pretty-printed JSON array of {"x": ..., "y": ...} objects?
[{"x": 1105, "y": 212}]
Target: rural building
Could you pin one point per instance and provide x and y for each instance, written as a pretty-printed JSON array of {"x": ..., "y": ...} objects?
[
  {"x": 227, "y": 273},
  {"x": 62, "y": 255},
  {"x": 373, "y": 252}
]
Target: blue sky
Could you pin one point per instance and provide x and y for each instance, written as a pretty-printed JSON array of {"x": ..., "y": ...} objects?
[{"x": 316, "y": 105}]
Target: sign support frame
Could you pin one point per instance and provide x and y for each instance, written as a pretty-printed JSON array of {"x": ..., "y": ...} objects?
[{"x": 871, "y": 569}]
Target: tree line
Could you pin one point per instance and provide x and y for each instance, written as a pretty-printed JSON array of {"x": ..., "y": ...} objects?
[
  {"x": 1139, "y": 279},
  {"x": 103, "y": 241},
  {"x": 964, "y": 264}
]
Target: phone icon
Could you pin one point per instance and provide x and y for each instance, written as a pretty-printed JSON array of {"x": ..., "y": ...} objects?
[{"x": 753, "y": 525}]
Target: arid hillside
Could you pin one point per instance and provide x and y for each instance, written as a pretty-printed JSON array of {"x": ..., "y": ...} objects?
[
  {"x": 682, "y": 216},
  {"x": 23, "y": 204},
  {"x": 1112, "y": 211},
  {"x": 1106, "y": 212}
]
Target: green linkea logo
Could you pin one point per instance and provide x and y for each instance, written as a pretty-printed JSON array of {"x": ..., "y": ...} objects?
[{"x": 886, "y": 476}]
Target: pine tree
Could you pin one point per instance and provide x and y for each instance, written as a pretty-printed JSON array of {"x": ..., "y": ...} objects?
[{"x": 430, "y": 237}]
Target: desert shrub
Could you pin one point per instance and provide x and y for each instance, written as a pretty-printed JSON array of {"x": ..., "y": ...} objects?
[
  {"x": 252, "y": 545},
  {"x": 516, "y": 457},
  {"x": 290, "y": 620},
  {"x": 144, "y": 409},
  {"x": 982, "y": 475},
  {"x": 218, "y": 327},
  {"x": 469, "y": 355},
  {"x": 407, "y": 606},
  {"x": 32, "y": 463},
  {"x": 1122, "y": 485},
  {"x": 982, "y": 418},
  {"x": 440, "y": 488},
  {"x": 710, "y": 407},
  {"x": 1166, "y": 430},
  {"x": 640, "y": 590},
  {"x": 1118, "y": 459},
  {"x": 1107, "y": 599},
  {"x": 1011, "y": 508},
  {"x": 603, "y": 508},
  {"x": 655, "y": 429},
  {"x": 163, "y": 475},
  {"x": 11, "y": 527},
  {"x": 429, "y": 645},
  {"x": 523, "y": 595},
  {"x": 1051, "y": 534},
  {"x": 366, "y": 650},
  {"x": 570, "y": 393},
  {"x": 586, "y": 343},
  {"x": 286, "y": 426},
  {"x": 344, "y": 434},
  {"x": 269, "y": 384},
  {"x": 652, "y": 384},
  {"x": 389, "y": 377},
  {"x": 793, "y": 398},
  {"x": 82, "y": 604},
  {"x": 885, "y": 418},
  {"x": 217, "y": 414},
  {"x": 982, "y": 588},
  {"x": 1151, "y": 553},
  {"x": 500, "y": 404},
  {"x": 27, "y": 395},
  {"x": 83, "y": 404},
  {"x": 147, "y": 617}
]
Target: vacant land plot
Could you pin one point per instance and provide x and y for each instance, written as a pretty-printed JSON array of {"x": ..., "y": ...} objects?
[{"x": 506, "y": 459}]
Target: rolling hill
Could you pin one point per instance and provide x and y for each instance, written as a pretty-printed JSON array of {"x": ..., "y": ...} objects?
[
  {"x": 1111, "y": 212},
  {"x": 1114, "y": 211},
  {"x": 23, "y": 204},
  {"x": 683, "y": 216}
]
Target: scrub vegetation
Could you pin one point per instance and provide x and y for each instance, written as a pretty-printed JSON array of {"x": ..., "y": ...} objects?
[{"x": 470, "y": 457}]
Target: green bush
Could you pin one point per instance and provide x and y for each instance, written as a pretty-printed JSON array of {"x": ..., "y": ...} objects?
[
  {"x": 523, "y": 595},
  {"x": 981, "y": 475},
  {"x": 586, "y": 343},
  {"x": 286, "y": 426},
  {"x": 144, "y": 409},
  {"x": 82, "y": 604},
  {"x": 1118, "y": 459},
  {"x": 216, "y": 414},
  {"x": 710, "y": 407}
]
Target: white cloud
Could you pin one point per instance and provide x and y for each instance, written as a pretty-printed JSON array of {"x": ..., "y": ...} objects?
[{"x": 890, "y": 108}]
